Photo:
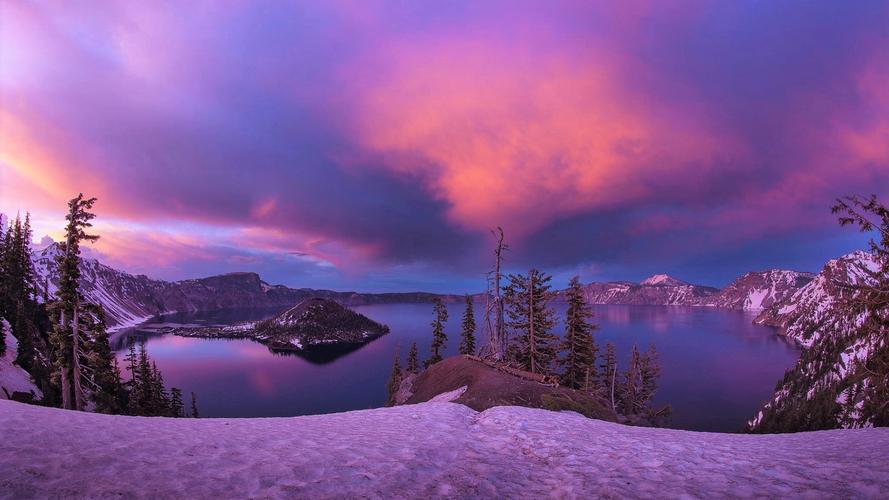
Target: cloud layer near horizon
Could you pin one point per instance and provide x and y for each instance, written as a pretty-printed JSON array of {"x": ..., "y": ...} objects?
[{"x": 372, "y": 144}]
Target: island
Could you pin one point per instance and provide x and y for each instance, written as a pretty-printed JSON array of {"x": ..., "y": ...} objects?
[{"x": 315, "y": 322}]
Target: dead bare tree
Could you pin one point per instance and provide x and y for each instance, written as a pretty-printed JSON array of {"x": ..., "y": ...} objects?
[{"x": 497, "y": 342}]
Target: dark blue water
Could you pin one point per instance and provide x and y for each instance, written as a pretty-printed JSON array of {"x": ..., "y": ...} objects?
[{"x": 718, "y": 367}]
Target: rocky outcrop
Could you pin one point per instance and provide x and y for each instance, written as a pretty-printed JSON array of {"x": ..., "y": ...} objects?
[{"x": 480, "y": 387}]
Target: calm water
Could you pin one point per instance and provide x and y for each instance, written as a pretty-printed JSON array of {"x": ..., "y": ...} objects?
[{"x": 717, "y": 366}]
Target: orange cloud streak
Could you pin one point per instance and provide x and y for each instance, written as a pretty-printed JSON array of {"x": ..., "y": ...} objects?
[{"x": 507, "y": 138}]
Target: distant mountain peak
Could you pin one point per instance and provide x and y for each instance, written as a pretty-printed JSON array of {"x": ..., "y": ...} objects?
[{"x": 663, "y": 280}]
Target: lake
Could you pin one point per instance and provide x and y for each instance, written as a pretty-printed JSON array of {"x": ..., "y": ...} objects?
[{"x": 717, "y": 367}]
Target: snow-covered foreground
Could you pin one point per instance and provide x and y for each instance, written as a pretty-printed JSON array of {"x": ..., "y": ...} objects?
[{"x": 431, "y": 449}]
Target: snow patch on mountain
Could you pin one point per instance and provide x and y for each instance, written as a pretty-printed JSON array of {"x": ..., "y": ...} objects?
[
  {"x": 814, "y": 309},
  {"x": 756, "y": 291},
  {"x": 662, "y": 280}
]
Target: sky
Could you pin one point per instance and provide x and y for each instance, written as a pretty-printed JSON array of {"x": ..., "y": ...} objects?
[{"x": 372, "y": 145}]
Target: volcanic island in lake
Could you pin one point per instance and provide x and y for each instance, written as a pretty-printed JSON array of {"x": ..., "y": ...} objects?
[{"x": 311, "y": 323}]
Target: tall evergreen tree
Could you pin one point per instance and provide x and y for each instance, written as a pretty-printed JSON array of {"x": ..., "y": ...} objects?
[
  {"x": 194, "y": 406},
  {"x": 609, "y": 374},
  {"x": 177, "y": 408},
  {"x": 531, "y": 317},
  {"x": 394, "y": 381},
  {"x": 439, "y": 337},
  {"x": 630, "y": 399},
  {"x": 467, "y": 336},
  {"x": 649, "y": 373},
  {"x": 28, "y": 274},
  {"x": 17, "y": 285},
  {"x": 578, "y": 347},
  {"x": 107, "y": 390},
  {"x": 413, "y": 363},
  {"x": 67, "y": 336},
  {"x": 24, "y": 331}
]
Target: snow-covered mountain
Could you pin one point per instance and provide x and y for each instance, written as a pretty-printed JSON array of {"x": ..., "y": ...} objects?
[
  {"x": 662, "y": 280},
  {"x": 426, "y": 450},
  {"x": 759, "y": 290},
  {"x": 827, "y": 384},
  {"x": 753, "y": 291},
  {"x": 131, "y": 299},
  {"x": 659, "y": 289}
]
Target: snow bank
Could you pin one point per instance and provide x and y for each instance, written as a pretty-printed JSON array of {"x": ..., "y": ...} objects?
[
  {"x": 419, "y": 451},
  {"x": 12, "y": 377},
  {"x": 449, "y": 396}
]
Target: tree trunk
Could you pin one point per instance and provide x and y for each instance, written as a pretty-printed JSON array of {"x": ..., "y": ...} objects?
[
  {"x": 613, "y": 380},
  {"x": 63, "y": 370},
  {"x": 498, "y": 344},
  {"x": 532, "y": 342},
  {"x": 75, "y": 329}
]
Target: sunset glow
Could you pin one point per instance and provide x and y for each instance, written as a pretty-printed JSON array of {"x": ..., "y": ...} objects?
[{"x": 373, "y": 145}]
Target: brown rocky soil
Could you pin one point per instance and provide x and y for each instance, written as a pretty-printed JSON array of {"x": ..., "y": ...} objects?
[{"x": 487, "y": 387}]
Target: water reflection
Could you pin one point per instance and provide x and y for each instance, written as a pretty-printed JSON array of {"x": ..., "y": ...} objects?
[{"x": 717, "y": 366}]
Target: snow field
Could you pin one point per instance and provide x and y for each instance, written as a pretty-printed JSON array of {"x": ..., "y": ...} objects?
[{"x": 419, "y": 451}]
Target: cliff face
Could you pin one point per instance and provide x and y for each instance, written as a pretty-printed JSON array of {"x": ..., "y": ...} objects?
[
  {"x": 841, "y": 371},
  {"x": 756, "y": 291}
]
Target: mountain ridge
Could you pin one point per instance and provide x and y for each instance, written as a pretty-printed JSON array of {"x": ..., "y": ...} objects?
[{"x": 131, "y": 299}]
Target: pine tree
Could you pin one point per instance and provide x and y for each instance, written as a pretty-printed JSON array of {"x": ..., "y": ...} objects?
[
  {"x": 439, "y": 337},
  {"x": 28, "y": 274},
  {"x": 177, "y": 409},
  {"x": 649, "y": 372},
  {"x": 609, "y": 373},
  {"x": 467, "y": 337},
  {"x": 578, "y": 347},
  {"x": 67, "y": 335},
  {"x": 532, "y": 318},
  {"x": 17, "y": 287},
  {"x": 160, "y": 400},
  {"x": 394, "y": 381},
  {"x": 4, "y": 282},
  {"x": 630, "y": 388},
  {"x": 23, "y": 329},
  {"x": 194, "y": 406},
  {"x": 134, "y": 385},
  {"x": 107, "y": 390},
  {"x": 413, "y": 364}
]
